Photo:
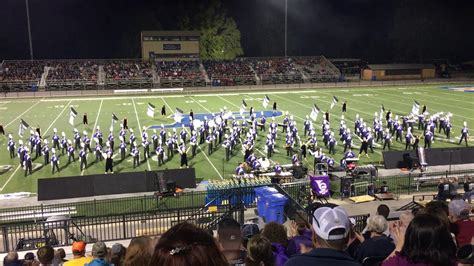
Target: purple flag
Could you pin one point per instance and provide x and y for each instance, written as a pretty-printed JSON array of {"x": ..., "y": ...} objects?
[{"x": 320, "y": 185}]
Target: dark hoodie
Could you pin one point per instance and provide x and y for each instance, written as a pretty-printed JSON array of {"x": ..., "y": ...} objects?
[{"x": 322, "y": 257}]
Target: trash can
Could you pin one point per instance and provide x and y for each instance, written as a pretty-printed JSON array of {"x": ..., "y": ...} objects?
[
  {"x": 275, "y": 211},
  {"x": 261, "y": 196}
]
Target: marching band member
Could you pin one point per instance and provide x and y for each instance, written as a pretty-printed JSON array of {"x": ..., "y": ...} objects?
[
  {"x": 464, "y": 134},
  {"x": 54, "y": 161},
  {"x": 183, "y": 151},
  {"x": 45, "y": 152}
]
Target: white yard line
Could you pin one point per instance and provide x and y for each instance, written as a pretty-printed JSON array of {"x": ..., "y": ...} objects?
[
  {"x": 434, "y": 101},
  {"x": 54, "y": 121},
  {"x": 31, "y": 107},
  {"x": 8, "y": 180},
  {"x": 294, "y": 103},
  {"x": 209, "y": 111},
  {"x": 113, "y": 98},
  {"x": 141, "y": 131},
  {"x": 97, "y": 118},
  {"x": 199, "y": 146},
  {"x": 57, "y": 117}
]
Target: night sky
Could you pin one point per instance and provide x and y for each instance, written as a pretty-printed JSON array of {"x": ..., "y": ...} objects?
[{"x": 373, "y": 30}]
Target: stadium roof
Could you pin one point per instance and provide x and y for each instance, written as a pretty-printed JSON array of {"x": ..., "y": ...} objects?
[
  {"x": 399, "y": 66},
  {"x": 170, "y": 33}
]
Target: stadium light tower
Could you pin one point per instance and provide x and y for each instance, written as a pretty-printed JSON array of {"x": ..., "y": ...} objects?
[
  {"x": 29, "y": 29},
  {"x": 286, "y": 27}
]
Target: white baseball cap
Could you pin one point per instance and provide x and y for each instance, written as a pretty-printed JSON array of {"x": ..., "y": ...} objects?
[{"x": 327, "y": 219}]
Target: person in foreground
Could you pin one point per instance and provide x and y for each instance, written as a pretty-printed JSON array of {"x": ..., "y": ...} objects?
[
  {"x": 427, "y": 241},
  {"x": 99, "y": 254},
  {"x": 331, "y": 228},
  {"x": 79, "y": 252},
  {"x": 185, "y": 244}
]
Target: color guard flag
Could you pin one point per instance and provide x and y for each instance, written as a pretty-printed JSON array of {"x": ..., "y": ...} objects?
[
  {"x": 151, "y": 110},
  {"x": 243, "y": 107},
  {"x": 178, "y": 115},
  {"x": 23, "y": 127},
  {"x": 416, "y": 108},
  {"x": 334, "y": 101},
  {"x": 314, "y": 112},
  {"x": 114, "y": 120},
  {"x": 72, "y": 115},
  {"x": 266, "y": 100},
  {"x": 320, "y": 185}
]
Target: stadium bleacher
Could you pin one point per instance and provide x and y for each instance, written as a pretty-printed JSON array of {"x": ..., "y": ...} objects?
[{"x": 131, "y": 73}]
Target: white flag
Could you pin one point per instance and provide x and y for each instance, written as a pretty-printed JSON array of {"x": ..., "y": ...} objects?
[
  {"x": 416, "y": 108},
  {"x": 151, "y": 110},
  {"x": 72, "y": 115},
  {"x": 243, "y": 107},
  {"x": 334, "y": 101},
  {"x": 266, "y": 101},
  {"x": 178, "y": 115},
  {"x": 314, "y": 112},
  {"x": 23, "y": 127}
]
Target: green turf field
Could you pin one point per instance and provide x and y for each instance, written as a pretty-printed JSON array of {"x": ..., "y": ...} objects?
[{"x": 49, "y": 113}]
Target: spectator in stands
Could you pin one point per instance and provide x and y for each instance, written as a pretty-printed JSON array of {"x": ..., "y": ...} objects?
[
  {"x": 230, "y": 240},
  {"x": 139, "y": 251},
  {"x": 259, "y": 252},
  {"x": 99, "y": 252},
  {"x": 443, "y": 189},
  {"x": 185, "y": 244},
  {"x": 437, "y": 207},
  {"x": 248, "y": 231},
  {"x": 468, "y": 188},
  {"x": 303, "y": 237},
  {"x": 427, "y": 241},
  {"x": 79, "y": 254},
  {"x": 118, "y": 254},
  {"x": 30, "y": 259},
  {"x": 276, "y": 233},
  {"x": 453, "y": 187},
  {"x": 465, "y": 255},
  {"x": 45, "y": 255},
  {"x": 331, "y": 228},
  {"x": 461, "y": 226},
  {"x": 378, "y": 245},
  {"x": 11, "y": 259},
  {"x": 353, "y": 240},
  {"x": 383, "y": 210},
  {"x": 59, "y": 256}
]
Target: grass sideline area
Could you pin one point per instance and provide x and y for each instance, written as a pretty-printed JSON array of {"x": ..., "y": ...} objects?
[{"x": 49, "y": 113}]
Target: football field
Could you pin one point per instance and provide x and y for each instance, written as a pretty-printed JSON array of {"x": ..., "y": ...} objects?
[{"x": 50, "y": 113}]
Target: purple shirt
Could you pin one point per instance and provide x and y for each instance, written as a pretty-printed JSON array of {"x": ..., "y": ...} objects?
[{"x": 294, "y": 243}]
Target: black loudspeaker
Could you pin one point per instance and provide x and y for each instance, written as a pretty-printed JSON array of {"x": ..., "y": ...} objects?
[
  {"x": 161, "y": 182},
  {"x": 170, "y": 186},
  {"x": 298, "y": 172}
]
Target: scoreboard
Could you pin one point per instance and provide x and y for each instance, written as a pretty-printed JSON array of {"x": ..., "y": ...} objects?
[{"x": 169, "y": 44}]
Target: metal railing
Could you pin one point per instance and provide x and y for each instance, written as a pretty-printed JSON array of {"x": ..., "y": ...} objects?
[
  {"x": 63, "y": 231},
  {"x": 398, "y": 184}
]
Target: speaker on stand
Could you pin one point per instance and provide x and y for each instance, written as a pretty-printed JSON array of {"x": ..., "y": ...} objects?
[{"x": 164, "y": 189}]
